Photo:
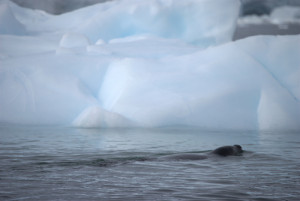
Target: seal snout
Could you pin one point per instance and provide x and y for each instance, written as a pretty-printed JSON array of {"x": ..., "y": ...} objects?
[{"x": 238, "y": 148}]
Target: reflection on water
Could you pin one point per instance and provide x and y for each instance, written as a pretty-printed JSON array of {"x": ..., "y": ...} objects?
[{"x": 133, "y": 164}]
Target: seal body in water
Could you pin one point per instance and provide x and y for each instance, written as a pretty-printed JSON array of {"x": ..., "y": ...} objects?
[
  {"x": 234, "y": 150},
  {"x": 184, "y": 157}
]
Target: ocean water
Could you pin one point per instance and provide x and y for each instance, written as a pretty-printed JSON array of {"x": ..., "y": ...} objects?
[{"x": 137, "y": 164}]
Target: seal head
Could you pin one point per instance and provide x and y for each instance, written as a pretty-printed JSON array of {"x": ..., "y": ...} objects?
[{"x": 234, "y": 150}]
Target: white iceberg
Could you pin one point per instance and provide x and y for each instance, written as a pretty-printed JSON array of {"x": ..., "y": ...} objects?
[
  {"x": 146, "y": 64},
  {"x": 8, "y": 23},
  {"x": 286, "y": 14}
]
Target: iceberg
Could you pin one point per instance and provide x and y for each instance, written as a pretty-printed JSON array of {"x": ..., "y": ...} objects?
[
  {"x": 149, "y": 63},
  {"x": 286, "y": 14},
  {"x": 8, "y": 23}
]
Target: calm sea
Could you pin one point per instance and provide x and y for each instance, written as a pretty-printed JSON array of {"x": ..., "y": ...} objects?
[{"x": 134, "y": 164}]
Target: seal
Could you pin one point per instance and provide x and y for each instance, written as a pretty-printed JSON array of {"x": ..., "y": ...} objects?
[
  {"x": 184, "y": 157},
  {"x": 234, "y": 150}
]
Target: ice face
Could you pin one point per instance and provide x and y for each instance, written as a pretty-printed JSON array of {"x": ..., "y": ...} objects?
[
  {"x": 223, "y": 87},
  {"x": 96, "y": 68},
  {"x": 186, "y": 20},
  {"x": 8, "y": 23}
]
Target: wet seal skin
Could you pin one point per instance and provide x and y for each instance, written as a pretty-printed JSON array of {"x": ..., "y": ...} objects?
[{"x": 235, "y": 150}]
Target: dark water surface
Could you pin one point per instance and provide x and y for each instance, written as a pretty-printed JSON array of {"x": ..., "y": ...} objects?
[{"x": 135, "y": 164}]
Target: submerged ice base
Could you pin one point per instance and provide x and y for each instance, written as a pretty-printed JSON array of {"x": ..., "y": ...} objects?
[{"x": 145, "y": 64}]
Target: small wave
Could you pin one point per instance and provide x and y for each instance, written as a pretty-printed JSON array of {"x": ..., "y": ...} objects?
[{"x": 98, "y": 162}]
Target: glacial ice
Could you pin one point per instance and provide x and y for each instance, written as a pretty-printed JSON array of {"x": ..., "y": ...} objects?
[
  {"x": 149, "y": 63},
  {"x": 8, "y": 23},
  {"x": 286, "y": 14}
]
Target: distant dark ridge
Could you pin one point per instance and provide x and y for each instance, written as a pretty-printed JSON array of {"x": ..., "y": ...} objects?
[
  {"x": 264, "y": 7},
  {"x": 266, "y": 29}
]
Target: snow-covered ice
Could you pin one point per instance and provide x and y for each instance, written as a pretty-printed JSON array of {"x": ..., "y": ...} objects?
[
  {"x": 286, "y": 14},
  {"x": 145, "y": 64}
]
